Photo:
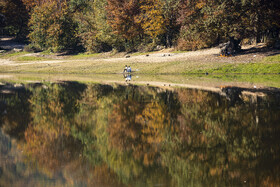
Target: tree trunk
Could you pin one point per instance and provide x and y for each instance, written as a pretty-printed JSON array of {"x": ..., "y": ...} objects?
[
  {"x": 167, "y": 40},
  {"x": 233, "y": 46}
]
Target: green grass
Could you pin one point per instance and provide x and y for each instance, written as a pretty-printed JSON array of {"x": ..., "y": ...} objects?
[
  {"x": 84, "y": 55},
  {"x": 31, "y": 58},
  {"x": 13, "y": 54},
  {"x": 275, "y": 58},
  {"x": 169, "y": 67},
  {"x": 249, "y": 68},
  {"x": 47, "y": 52}
]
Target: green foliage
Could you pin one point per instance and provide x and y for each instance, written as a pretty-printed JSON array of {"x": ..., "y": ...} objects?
[
  {"x": 93, "y": 30},
  {"x": 170, "y": 11},
  {"x": 205, "y": 23},
  {"x": 15, "y": 18},
  {"x": 52, "y": 27},
  {"x": 128, "y": 25},
  {"x": 84, "y": 55},
  {"x": 32, "y": 48}
]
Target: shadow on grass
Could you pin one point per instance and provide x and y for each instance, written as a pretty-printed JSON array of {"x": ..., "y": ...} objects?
[{"x": 259, "y": 50}]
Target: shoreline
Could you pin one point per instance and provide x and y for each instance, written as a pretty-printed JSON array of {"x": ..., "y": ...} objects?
[
  {"x": 202, "y": 80},
  {"x": 254, "y": 59}
]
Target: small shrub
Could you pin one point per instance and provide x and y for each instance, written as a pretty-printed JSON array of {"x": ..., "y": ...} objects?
[
  {"x": 141, "y": 47},
  {"x": 31, "y": 48},
  {"x": 146, "y": 47},
  {"x": 191, "y": 44}
]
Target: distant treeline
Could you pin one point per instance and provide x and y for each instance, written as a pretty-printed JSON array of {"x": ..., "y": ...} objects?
[{"x": 139, "y": 25}]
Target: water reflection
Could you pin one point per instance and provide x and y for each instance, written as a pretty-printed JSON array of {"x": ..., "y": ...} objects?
[
  {"x": 76, "y": 134},
  {"x": 127, "y": 77}
]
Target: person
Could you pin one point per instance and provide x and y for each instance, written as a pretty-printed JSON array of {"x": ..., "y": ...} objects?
[
  {"x": 129, "y": 69},
  {"x": 125, "y": 69}
]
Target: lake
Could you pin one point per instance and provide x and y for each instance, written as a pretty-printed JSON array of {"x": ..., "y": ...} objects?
[{"x": 70, "y": 133}]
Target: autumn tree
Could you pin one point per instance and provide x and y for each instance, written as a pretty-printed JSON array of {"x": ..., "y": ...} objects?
[
  {"x": 151, "y": 18},
  {"x": 15, "y": 18},
  {"x": 93, "y": 29},
  {"x": 170, "y": 9},
  {"x": 52, "y": 26},
  {"x": 194, "y": 33},
  {"x": 264, "y": 19},
  {"x": 205, "y": 23},
  {"x": 122, "y": 19}
]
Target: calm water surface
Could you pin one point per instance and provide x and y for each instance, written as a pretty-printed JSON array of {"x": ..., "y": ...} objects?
[{"x": 75, "y": 134}]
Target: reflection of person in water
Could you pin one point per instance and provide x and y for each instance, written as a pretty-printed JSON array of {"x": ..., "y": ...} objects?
[{"x": 127, "y": 78}]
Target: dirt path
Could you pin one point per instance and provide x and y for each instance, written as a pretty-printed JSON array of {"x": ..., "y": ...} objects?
[{"x": 250, "y": 54}]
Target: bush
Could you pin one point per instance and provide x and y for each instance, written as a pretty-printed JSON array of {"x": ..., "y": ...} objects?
[
  {"x": 146, "y": 47},
  {"x": 52, "y": 27},
  {"x": 31, "y": 48},
  {"x": 92, "y": 44},
  {"x": 191, "y": 44}
]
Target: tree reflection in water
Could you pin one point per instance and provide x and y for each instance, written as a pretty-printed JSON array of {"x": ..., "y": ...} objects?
[{"x": 134, "y": 135}]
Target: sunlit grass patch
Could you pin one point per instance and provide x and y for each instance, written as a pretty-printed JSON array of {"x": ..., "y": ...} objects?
[
  {"x": 275, "y": 58},
  {"x": 31, "y": 58},
  {"x": 47, "y": 52},
  {"x": 12, "y": 54},
  {"x": 254, "y": 68},
  {"x": 84, "y": 55}
]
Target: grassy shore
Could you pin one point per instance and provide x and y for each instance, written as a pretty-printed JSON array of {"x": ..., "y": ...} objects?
[
  {"x": 151, "y": 63},
  {"x": 159, "y": 68},
  {"x": 240, "y": 80}
]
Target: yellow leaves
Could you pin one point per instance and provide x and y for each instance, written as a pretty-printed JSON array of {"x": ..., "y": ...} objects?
[
  {"x": 153, "y": 121},
  {"x": 200, "y": 4},
  {"x": 215, "y": 171},
  {"x": 151, "y": 18},
  {"x": 149, "y": 158},
  {"x": 137, "y": 129}
]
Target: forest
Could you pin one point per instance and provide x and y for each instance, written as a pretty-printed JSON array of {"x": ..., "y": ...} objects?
[{"x": 139, "y": 25}]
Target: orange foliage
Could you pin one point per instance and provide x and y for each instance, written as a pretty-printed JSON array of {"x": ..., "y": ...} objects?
[
  {"x": 151, "y": 18},
  {"x": 138, "y": 130},
  {"x": 121, "y": 17},
  {"x": 124, "y": 130}
]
